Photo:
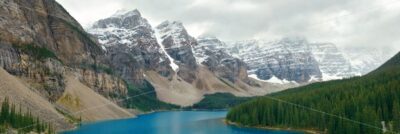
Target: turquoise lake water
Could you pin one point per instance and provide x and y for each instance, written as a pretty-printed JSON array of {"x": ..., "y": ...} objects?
[{"x": 173, "y": 122}]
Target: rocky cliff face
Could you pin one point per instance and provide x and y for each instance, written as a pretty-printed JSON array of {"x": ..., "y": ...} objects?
[
  {"x": 210, "y": 52},
  {"x": 44, "y": 23},
  {"x": 178, "y": 44},
  {"x": 287, "y": 59},
  {"x": 331, "y": 61},
  {"x": 40, "y": 42},
  {"x": 39, "y": 39},
  {"x": 325, "y": 57},
  {"x": 131, "y": 46}
]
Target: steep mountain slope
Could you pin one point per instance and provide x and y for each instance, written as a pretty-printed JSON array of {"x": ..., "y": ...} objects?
[
  {"x": 288, "y": 59},
  {"x": 181, "y": 48},
  {"x": 312, "y": 61},
  {"x": 331, "y": 61},
  {"x": 45, "y": 23},
  {"x": 131, "y": 46},
  {"x": 85, "y": 103},
  {"x": 210, "y": 52},
  {"x": 19, "y": 93},
  {"x": 374, "y": 102},
  {"x": 39, "y": 43}
]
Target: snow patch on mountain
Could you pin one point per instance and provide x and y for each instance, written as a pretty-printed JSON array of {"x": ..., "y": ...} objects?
[
  {"x": 273, "y": 80},
  {"x": 288, "y": 58},
  {"x": 121, "y": 28},
  {"x": 173, "y": 65},
  {"x": 173, "y": 30},
  {"x": 332, "y": 63}
]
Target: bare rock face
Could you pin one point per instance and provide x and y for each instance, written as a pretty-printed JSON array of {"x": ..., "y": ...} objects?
[
  {"x": 210, "y": 52},
  {"x": 179, "y": 45},
  {"x": 103, "y": 83},
  {"x": 40, "y": 41},
  {"x": 131, "y": 46},
  {"x": 46, "y": 24},
  {"x": 287, "y": 59},
  {"x": 45, "y": 75}
]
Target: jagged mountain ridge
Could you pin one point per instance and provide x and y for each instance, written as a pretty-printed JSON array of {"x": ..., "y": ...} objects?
[
  {"x": 166, "y": 57},
  {"x": 178, "y": 44},
  {"x": 211, "y": 53},
  {"x": 287, "y": 59},
  {"x": 131, "y": 46},
  {"x": 325, "y": 58}
]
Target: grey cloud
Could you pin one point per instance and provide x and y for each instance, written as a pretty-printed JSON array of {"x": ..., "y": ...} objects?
[{"x": 347, "y": 23}]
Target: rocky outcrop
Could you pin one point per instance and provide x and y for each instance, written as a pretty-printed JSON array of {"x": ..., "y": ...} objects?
[
  {"x": 103, "y": 83},
  {"x": 179, "y": 45},
  {"x": 287, "y": 59},
  {"x": 44, "y": 75},
  {"x": 131, "y": 46},
  {"x": 44, "y": 23},
  {"x": 210, "y": 53}
]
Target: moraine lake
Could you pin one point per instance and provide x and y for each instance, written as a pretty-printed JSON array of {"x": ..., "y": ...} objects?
[{"x": 172, "y": 122}]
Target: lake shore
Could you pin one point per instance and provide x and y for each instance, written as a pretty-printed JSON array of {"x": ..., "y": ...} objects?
[{"x": 308, "y": 131}]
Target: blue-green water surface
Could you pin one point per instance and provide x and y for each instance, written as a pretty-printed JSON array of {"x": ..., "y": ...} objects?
[{"x": 173, "y": 122}]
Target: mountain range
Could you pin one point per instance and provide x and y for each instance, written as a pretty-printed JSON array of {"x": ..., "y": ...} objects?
[
  {"x": 298, "y": 60},
  {"x": 58, "y": 70}
]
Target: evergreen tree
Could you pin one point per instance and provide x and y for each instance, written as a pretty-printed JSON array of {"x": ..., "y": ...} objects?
[
  {"x": 4, "y": 111},
  {"x": 9, "y": 117}
]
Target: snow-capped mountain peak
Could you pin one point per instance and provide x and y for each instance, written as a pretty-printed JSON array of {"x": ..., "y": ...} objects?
[
  {"x": 174, "y": 31},
  {"x": 124, "y": 27}
]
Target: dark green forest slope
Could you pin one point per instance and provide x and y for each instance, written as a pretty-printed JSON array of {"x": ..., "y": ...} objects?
[{"x": 369, "y": 101}]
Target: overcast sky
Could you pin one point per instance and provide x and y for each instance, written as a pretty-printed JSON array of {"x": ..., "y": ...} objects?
[{"x": 347, "y": 23}]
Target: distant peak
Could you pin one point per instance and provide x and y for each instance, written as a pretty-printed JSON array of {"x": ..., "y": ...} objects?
[{"x": 126, "y": 13}]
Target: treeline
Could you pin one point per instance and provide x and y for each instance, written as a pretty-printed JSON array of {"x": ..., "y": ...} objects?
[
  {"x": 13, "y": 119},
  {"x": 368, "y": 105},
  {"x": 144, "y": 97},
  {"x": 219, "y": 101}
]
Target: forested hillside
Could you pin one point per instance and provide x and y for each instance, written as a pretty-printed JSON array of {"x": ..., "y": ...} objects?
[
  {"x": 367, "y": 104},
  {"x": 11, "y": 117}
]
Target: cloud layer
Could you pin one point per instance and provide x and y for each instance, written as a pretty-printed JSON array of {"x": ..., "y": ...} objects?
[{"x": 348, "y": 23}]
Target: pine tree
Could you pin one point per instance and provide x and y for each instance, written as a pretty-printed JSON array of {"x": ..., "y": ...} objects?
[
  {"x": 396, "y": 116},
  {"x": 4, "y": 111}
]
